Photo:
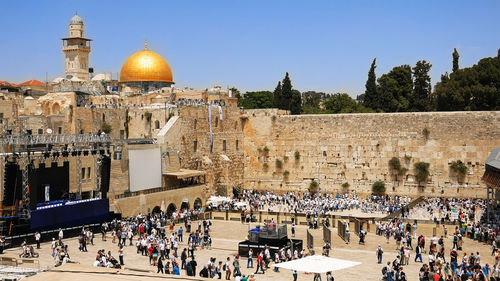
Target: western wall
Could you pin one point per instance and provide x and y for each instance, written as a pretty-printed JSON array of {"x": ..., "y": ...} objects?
[{"x": 356, "y": 148}]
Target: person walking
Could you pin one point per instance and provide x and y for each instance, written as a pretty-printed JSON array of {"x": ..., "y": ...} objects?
[
  {"x": 294, "y": 274},
  {"x": 379, "y": 253},
  {"x": 183, "y": 258},
  {"x": 38, "y": 236},
  {"x": 160, "y": 266},
  {"x": 228, "y": 268},
  {"x": 418, "y": 253},
  {"x": 250, "y": 259},
  {"x": 120, "y": 254},
  {"x": 236, "y": 265}
]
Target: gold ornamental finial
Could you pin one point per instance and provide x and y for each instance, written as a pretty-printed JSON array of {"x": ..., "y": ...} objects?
[{"x": 146, "y": 45}]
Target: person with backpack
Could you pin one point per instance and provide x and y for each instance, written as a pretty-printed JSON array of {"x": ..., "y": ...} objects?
[{"x": 379, "y": 253}]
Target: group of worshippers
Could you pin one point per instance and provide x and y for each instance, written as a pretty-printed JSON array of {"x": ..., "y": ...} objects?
[{"x": 315, "y": 204}]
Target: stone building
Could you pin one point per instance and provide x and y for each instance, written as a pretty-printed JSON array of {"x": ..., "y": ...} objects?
[{"x": 76, "y": 49}]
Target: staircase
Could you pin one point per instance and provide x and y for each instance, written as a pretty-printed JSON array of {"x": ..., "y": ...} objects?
[{"x": 410, "y": 205}]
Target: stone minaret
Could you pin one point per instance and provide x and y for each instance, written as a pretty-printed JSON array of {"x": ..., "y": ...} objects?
[{"x": 76, "y": 48}]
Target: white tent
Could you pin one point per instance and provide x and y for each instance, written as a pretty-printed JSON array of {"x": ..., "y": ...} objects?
[{"x": 317, "y": 264}]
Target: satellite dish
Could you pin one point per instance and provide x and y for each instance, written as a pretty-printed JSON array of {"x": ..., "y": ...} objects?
[
  {"x": 49, "y": 131},
  {"x": 39, "y": 112}
]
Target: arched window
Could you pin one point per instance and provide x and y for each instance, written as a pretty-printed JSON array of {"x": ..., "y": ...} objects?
[{"x": 157, "y": 124}]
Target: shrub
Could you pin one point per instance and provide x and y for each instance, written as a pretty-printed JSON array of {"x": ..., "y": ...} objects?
[
  {"x": 265, "y": 150},
  {"x": 279, "y": 164},
  {"x": 459, "y": 167},
  {"x": 395, "y": 164},
  {"x": 378, "y": 187},
  {"x": 402, "y": 171},
  {"x": 407, "y": 158},
  {"x": 106, "y": 128},
  {"x": 286, "y": 173},
  {"x": 346, "y": 185},
  {"x": 285, "y": 158},
  {"x": 297, "y": 155},
  {"x": 422, "y": 171},
  {"x": 313, "y": 187},
  {"x": 265, "y": 166},
  {"x": 426, "y": 133}
]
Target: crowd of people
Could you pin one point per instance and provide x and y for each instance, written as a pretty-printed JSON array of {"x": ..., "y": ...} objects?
[
  {"x": 441, "y": 264},
  {"x": 315, "y": 204}
]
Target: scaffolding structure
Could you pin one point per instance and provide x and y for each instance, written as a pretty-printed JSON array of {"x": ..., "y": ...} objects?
[{"x": 25, "y": 148}]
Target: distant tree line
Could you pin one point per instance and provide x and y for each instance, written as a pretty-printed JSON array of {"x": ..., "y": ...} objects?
[{"x": 404, "y": 88}]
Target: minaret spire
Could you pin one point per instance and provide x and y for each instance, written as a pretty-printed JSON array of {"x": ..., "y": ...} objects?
[{"x": 146, "y": 44}]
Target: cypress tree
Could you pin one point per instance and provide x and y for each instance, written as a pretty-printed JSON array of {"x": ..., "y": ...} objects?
[
  {"x": 370, "y": 98},
  {"x": 295, "y": 102},
  {"x": 277, "y": 96},
  {"x": 455, "y": 60},
  {"x": 286, "y": 92}
]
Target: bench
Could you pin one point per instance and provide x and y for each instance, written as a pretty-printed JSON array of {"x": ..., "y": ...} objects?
[
  {"x": 8, "y": 261},
  {"x": 30, "y": 263}
]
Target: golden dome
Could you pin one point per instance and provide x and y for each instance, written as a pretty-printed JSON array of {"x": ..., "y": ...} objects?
[{"x": 146, "y": 65}]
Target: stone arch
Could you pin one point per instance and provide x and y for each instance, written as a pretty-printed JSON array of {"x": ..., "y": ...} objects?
[
  {"x": 156, "y": 210},
  {"x": 197, "y": 203},
  {"x": 185, "y": 205},
  {"x": 170, "y": 209},
  {"x": 56, "y": 108}
]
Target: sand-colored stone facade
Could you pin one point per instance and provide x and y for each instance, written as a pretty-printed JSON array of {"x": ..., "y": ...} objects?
[{"x": 356, "y": 148}]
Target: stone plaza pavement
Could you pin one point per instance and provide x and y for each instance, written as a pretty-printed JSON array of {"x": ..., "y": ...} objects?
[{"x": 226, "y": 235}]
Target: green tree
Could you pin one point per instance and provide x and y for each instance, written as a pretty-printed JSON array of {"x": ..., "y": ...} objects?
[
  {"x": 472, "y": 88},
  {"x": 421, "y": 97},
  {"x": 394, "y": 89},
  {"x": 236, "y": 93},
  {"x": 286, "y": 92},
  {"x": 252, "y": 100},
  {"x": 277, "y": 96},
  {"x": 311, "y": 102},
  {"x": 370, "y": 97},
  {"x": 295, "y": 102},
  {"x": 456, "y": 56},
  {"x": 313, "y": 187},
  {"x": 343, "y": 103}
]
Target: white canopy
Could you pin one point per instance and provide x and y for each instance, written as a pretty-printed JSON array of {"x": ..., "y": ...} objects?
[{"x": 317, "y": 264}]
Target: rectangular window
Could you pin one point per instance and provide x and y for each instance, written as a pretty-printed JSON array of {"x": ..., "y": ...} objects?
[
  {"x": 224, "y": 145},
  {"x": 195, "y": 121},
  {"x": 29, "y": 132},
  {"x": 195, "y": 146},
  {"x": 59, "y": 130},
  {"x": 237, "y": 143},
  {"x": 216, "y": 122},
  {"x": 83, "y": 174},
  {"x": 122, "y": 134},
  {"x": 40, "y": 131},
  {"x": 88, "y": 172}
]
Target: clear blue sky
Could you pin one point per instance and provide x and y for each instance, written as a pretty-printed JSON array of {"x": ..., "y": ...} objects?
[{"x": 324, "y": 45}]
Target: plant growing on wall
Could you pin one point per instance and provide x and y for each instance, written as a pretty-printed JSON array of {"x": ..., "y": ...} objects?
[
  {"x": 407, "y": 158},
  {"x": 458, "y": 167},
  {"x": 286, "y": 173},
  {"x": 395, "y": 164},
  {"x": 313, "y": 187},
  {"x": 265, "y": 150},
  {"x": 106, "y": 128},
  {"x": 426, "y": 133},
  {"x": 279, "y": 164},
  {"x": 297, "y": 155},
  {"x": 285, "y": 158},
  {"x": 265, "y": 166},
  {"x": 422, "y": 171},
  {"x": 378, "y": 187}
]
